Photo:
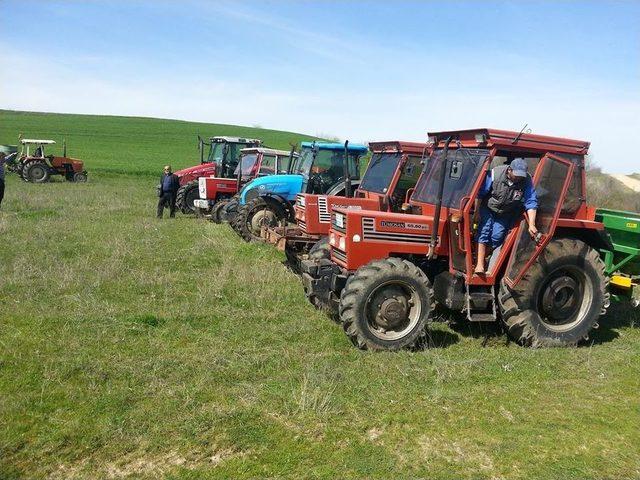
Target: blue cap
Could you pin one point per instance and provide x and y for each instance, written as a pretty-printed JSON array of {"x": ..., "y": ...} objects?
[{"x": 519, "y": 167}]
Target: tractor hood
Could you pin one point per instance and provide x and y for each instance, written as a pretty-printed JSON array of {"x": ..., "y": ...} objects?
[
  {"x": 196, "y": 169},
  {"x": 191, "y": 174},
  {"x": 285, "y": 186}
]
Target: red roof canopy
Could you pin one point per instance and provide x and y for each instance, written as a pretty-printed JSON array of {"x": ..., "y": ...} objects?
[
  {"x": 417, "y": 148},
  {"x": 488, "y": 137}
]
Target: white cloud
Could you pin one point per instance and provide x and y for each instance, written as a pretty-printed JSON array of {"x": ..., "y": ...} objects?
[{"x": 360, "y": 112}]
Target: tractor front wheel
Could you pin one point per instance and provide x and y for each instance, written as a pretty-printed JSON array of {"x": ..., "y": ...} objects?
[
  {"x": 218, "y": 211},
  {"x": 386, "y": 305},
  {"x": 558, "y": 301},
  {"x": 256, "y": 214},
  {"x": 320, "y": 250},
  {"x": 80, "y": 177},
  {"x": 187, "y": 193},
  {"x": 36, "y": 171}
]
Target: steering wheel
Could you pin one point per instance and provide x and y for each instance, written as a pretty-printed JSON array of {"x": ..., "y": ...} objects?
[{"x": 318, "y": 185}]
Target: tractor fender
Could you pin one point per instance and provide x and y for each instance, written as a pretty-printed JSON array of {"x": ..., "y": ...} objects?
[
  {"x": 281, "y": 203},
  {"x": 338, "y": 189}
]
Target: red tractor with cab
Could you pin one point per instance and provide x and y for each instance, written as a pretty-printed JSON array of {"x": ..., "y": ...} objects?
[
  {"x": 216, "y": 192},
  {"x": 221, "y": 161},
  {"x": 35, "y": 166},
  {"x": 387, "y": 184},
  {"x": 387, "y": 270}
]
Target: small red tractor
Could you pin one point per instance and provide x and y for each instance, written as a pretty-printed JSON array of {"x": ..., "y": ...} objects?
[
  {"x": 216, "y": 192},
  {"x": 387, "y": 184},
  {"x": 221, "y": 161},
  {"x": 387, "y": 270},
  {"x": 35, "y": 166}
]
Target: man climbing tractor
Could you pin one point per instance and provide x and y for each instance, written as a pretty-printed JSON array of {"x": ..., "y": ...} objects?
[{"x": 507, "y": 191}]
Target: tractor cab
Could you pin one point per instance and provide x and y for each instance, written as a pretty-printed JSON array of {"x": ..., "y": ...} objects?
[
  {"x": 547, "y": 289},
  {"x": 322, "y": 168},
  {"x": 387, "y": 184},
  {"x": 220, "y": 161}
]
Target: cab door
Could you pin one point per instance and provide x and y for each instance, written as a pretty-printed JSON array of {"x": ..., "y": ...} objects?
[{"x": 551, "y": 180}]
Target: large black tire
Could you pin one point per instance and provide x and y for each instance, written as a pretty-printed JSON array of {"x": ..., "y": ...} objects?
[
  {"x": 218, "y": 211},
  {"x": 80, "y": 177},
  {"x": 231, "y": 209},
  {"x": 187, "y": 193},
  {"x": 36, "y": 171},
  {"x": 386, "y": 305},
  {"x": 251, "y": 217},
  {"x": 320, "y": 250},
  {"x": 559, "y": 299}
]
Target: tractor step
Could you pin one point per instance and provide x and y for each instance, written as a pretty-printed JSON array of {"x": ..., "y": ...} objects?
[
  {"x": 481, "y": 304},
  {"x": 482, "y": 317}
]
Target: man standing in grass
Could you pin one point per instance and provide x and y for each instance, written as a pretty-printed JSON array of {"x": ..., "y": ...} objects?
[
  {"x": 169, "y": 185},
  {"x": 3, "y": 159}
]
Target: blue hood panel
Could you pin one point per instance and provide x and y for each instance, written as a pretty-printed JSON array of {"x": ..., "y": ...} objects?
[{"x": 287, "y": 186}]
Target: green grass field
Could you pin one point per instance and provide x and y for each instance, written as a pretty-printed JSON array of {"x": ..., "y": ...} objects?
[{"x": 138, "y": 348}]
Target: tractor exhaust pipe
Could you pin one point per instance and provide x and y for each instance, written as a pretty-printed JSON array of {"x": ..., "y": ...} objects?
[
  {"x": 64, "y": 148},
  {"x": 436, "y": 217},
  {"x": 347, "y": 171},
  {"x": 291, "y": 155},
  {"x": 239, "y": 175}
]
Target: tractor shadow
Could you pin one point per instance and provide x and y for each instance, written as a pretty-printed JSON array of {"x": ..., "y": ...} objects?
[{"x": 619, "y": 316}]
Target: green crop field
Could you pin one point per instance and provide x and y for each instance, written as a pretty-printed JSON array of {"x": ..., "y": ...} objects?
[{"x": 138, "y": 348}]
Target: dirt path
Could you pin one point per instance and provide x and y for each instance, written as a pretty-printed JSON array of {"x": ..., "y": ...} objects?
[{"x": 630, "y": 182}]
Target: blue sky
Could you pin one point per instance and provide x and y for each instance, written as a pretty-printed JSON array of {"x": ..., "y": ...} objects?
[{"x": 358, "y": 70}]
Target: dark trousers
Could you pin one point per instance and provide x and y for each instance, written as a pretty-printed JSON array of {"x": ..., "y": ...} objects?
[
  {"x": 1, "y": 191},
  {"x": 167, "y": 200}
]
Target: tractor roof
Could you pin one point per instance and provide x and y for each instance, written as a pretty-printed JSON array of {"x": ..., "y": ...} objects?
[
  {"x": 30, "y": 141},
  {"x": 488, "y": 137},
  {"x": 399, "y": 146},
  {"x": 265, "y": 151},
  {"x": 353, "y": 147},
  {"x": 236, "y": 140}
]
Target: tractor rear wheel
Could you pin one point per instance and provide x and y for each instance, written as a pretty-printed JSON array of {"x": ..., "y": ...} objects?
[
  {"x": 80, "y": 177},
  {"x": 187, "y": 193},
  {"x": 559, "y": 299},
  {"x": 256, "y": 214},
  {"x": 386, "y": 305},
  {"x": 36, "y": 171},
  {"x": 218, "y": 212}
]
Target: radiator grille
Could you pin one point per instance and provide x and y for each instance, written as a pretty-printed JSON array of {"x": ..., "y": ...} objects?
[
  {"x": 323, "y": 209},
  {"x": 303, "y": 226},
  {"x": 369, "y": 232},
  {"x": 339, "y": 255}
]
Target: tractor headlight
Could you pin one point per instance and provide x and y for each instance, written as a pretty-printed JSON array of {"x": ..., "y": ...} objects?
[
  {"x": 339, "y": 220},
  {"x": 356, "y": 238},
  {"x": 202, "y": 187},
  {"x": 332, "y": 239},
  {"x": 342, "y": 244}
]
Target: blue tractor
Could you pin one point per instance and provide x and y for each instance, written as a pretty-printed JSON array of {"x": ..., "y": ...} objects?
[{"x": 321, "y": 168}]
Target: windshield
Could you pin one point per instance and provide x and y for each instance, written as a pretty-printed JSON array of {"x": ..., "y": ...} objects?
[
  {"x": 216, "y": 152},
  {"x": 248, "y": 162},
  {"x": 380, "y": 172},
  {"x": 326, "y": 162},
  {"x": 463, "y": 166},
  {"x": 303, "y": 164}
]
